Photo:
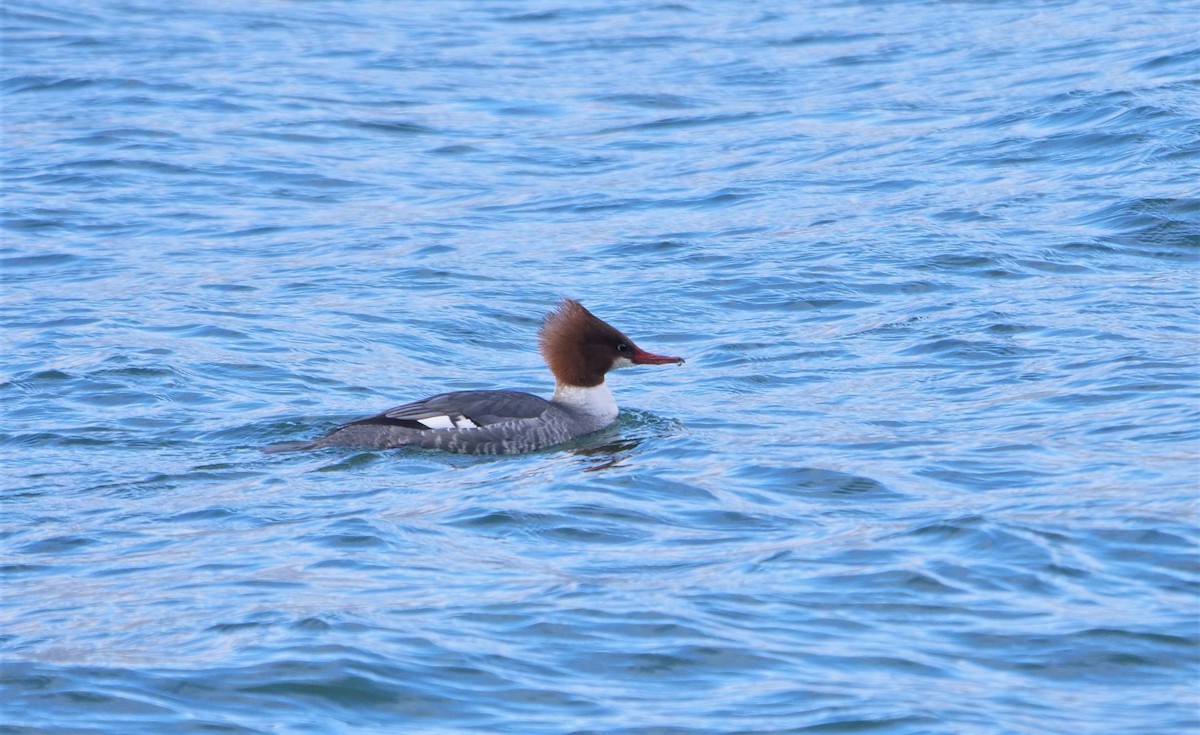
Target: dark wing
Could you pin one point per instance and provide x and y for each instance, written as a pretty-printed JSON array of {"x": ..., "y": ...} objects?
[{"x": 465, "y": 409}]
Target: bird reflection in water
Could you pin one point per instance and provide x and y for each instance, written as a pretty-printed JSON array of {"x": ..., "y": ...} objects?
[{"x": 607, "y": 456}]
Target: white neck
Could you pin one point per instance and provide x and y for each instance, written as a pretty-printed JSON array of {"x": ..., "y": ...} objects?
[{"x": 595, "y": 401}]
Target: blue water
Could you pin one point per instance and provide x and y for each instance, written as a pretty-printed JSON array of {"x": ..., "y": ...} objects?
[{"x": 931, "y": 466}]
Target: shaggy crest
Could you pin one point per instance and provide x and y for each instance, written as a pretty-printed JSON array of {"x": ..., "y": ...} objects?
[{"x": 578, "y": 346}]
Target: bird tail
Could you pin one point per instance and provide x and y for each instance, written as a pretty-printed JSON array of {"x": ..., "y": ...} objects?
[{"x": 289, "y": 447}]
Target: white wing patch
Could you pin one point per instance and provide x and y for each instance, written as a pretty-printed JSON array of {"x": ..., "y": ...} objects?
[{"x": 457, "y": 421}]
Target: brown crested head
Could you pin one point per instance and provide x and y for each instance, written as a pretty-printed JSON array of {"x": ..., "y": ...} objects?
[{"x": 580, "y": 347}]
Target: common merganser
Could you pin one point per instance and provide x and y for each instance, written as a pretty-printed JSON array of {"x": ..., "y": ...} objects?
[{"x": 579, "y": 349}]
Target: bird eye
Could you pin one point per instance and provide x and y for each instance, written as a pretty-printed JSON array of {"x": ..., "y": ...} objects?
[{"x": 622, "y": 347}]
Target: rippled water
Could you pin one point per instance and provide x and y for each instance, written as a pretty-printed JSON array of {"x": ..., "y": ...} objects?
[{"x": 930, "y": 468}]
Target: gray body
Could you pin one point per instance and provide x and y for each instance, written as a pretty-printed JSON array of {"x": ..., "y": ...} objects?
[{"x": 477, "y": 422}]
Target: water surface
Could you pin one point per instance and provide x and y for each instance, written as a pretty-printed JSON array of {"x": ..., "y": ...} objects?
[{"x": 930, "y": 467}]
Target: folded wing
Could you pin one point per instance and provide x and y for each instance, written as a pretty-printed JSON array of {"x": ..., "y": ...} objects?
[{"x": 460, "y": 410}]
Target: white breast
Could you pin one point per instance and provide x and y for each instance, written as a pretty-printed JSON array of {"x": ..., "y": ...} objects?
[{"x": 596, "y": 401}]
